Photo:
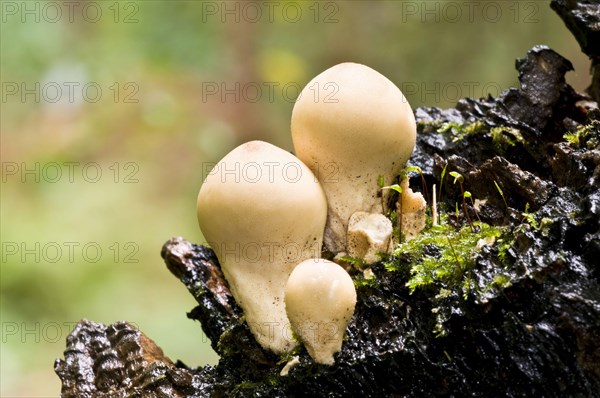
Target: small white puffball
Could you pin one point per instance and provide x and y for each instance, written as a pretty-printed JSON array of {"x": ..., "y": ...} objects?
[
  {"x": 368, "y": 235},
  {"x": 262, "y": 211},
  {"x": 351, "y": 125},
  {"x": 319, "y": 299},
  {"x": 411, "y": 208}
]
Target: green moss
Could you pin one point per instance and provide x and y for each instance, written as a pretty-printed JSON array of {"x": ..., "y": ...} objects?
[
  {"x": 441, "y": 262},
  {"x": 529, "y": 218},
  {"x": 396, "y": 233},
  {"x": 586, "y": 136},
  {"x": 505, "y": 138},
  {"x": 501, "y": 280},
  {"x": 288, "y": 356},
  {"x": 356, "y": 262},
  {"x": 452, "y": 258},
  {"x": 458, "y": 131},
  {"x": 542, "y": 226},
  {"x": 360, "y": 281},
  {"x": 244, "y": 386}
]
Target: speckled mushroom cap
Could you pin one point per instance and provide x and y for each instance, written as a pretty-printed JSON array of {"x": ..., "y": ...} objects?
[
  {"x": 263, "y": 212},
  {"x": 359, "y": 127}
]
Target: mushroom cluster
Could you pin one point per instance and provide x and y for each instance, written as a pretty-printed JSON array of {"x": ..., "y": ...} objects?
[{"x": 267, "y": 213}]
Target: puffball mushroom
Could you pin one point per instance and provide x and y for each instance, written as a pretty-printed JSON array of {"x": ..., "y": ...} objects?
[
  {"x": 410, "y": 208},
  {"x": 351, "y": 125},
  {"x": 319, "y": 299},
  {"x": 368, "y": 235},
  {"x": 263, "y": 212}
]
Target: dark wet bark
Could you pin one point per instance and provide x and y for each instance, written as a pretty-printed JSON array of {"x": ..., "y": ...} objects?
[{"x": 582, "y": 17}]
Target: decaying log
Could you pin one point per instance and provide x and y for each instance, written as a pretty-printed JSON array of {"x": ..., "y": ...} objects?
[{"x": 538, "y": 335}]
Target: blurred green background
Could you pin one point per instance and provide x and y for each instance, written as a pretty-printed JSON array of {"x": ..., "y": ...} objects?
[{"x": 110, "y": 110}]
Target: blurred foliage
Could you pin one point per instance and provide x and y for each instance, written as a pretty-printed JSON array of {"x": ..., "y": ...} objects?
[{"x": 155, "y": 62}]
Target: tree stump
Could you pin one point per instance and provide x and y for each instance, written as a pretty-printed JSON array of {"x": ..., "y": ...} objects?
[{"x": 527, "y": 324}]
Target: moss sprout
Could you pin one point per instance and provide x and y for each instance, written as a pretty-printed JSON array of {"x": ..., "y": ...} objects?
[{"x": 529, "y": 218}]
